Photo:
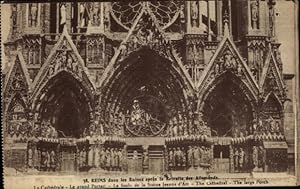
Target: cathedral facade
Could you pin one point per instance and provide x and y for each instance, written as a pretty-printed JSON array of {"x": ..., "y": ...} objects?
[{"x": 146, "y": 87}]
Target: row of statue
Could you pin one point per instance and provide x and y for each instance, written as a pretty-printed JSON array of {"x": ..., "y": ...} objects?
[
  {"x": 258, "y": 157},
  {"x": 188, "y": 125},
  {"x": 62, "y": 61},
  {"x": 176, "y": 158},
  {"x": 199, "y": 156},
  {"x": 33, "y": 14},
  {"x": 109, "y": 158},
  {"x": 43, "y": 159},
  {"x": 269, "y": 125},
  {"x": 239, "y": 159}
]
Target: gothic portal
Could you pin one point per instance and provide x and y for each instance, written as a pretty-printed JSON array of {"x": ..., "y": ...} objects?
[{"x": 145, "y": 87}]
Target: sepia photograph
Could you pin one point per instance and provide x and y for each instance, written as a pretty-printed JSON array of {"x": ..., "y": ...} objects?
[{"x": 137, "y": 94}]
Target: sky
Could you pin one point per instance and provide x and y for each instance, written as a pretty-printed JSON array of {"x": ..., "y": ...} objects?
[{"x": 285, "y": 29}]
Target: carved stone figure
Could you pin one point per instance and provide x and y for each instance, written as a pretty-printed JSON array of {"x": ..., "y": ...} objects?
[
  {"x": 197, "y": 156},
  {"x": 272, "y": 20},
  {"x": 145, "y": 160},
  {"x": 261, "y": 157},
  {"x": 30, "y": 158},
  {"x": 120, "y": 157},
  {"x": 236, "y": 158},
  {"x": 52, "y": 160},
  {"x": 33, "y": 14},
  {"x": 255, "y": 157},
  {"x": 241, "y": 158},
  {"x": 254, "y": 14},
  {"x": 91, "y": 156},
  {"x": 108, "y": 159},
  {"x": 63, "y": 14},
  {"x": 171, "y": 158},
  {"x": 96, "y": 157},
  {"x": 194, "y": 13},
  {"x": 102, "y": 158},
  {"x": 190, "y": 153},
  {"x": 95, "y": 13}
]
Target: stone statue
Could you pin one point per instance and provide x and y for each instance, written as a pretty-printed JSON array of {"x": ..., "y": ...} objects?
[
  {"x": 255, "y": 157},
  {"x": 261, "y": 157},
  {"x": 241, "y": 158},
  {"x": 171, "y": 157},
  {"x": 95, "y": 14},
  {"x": 194, "y": 13},
  {"x": 170, "y": 128},
  {"x": 33, "y": 14},
  {"x": 236, "y": 158},
  {"x": 36, "y": 157},
  {"x": 113, "y": 158},
  {"x": 183, "y": 156},
  {"x": 108, "y": 159},
  {"x": 81, "y": 14},
  {"x": 30, "y": 157},
  {"x": 272, "y": 20},
  {"x": 254, "y": 14},
  {"x": 91, "y": 156},
  {"x": 145, "y": 160},
  {"x": 102, "y": 158},
  {"x": 175, "y": 128},
  {"x": 179, "y": 156},
  {"x": 53, "y": 160},
  {"x": 197, "y": 156},
  {"x": 63, "y": 16},
  {"x": 48, "y": 161},
  {"x": 120, "y": 157},
  {"x": 96, "y": 156},
  {"x": 190, "y": 154}
]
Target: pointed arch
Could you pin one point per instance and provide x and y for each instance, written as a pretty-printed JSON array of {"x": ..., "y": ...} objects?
[
  {"x": 18, "y": 73},
  {"x": 275, "y": 97},
  {"x": 144, "y": 69},
  {"x": 227, "y": 59},
  {"x": 63, "y": 57},
  {"x": 271, "y": 79},
  {"x": 228, "y": 107},
  {"x": 16, "y": 114},
  {"x": 65, "y": 103}
]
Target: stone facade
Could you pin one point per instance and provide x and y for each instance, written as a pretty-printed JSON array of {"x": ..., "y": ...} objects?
[{"x": 146, "y": 87}]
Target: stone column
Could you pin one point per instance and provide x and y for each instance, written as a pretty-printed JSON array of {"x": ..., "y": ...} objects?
[
  {"x": 188, "y": 24},
  {"x": 219, "y": 18}
]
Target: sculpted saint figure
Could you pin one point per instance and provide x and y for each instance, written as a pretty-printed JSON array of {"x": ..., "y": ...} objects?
[
  {"x": 96, "y": 156},
  {"x": 63, "y": 16},
  {"x": 30, "y": 157},
  {"x": 255, "y": 157},
  {"x": 241, "y": 158},
  {"x": 236, "y": 158},
  {"x": 102, "y": 158},
  {"x": 91, "y": 156},
  {"x": 254, "y": 14},
  {"x": 190, "y": 153},
  {"x": 108, "y": 159},
  {"x": 52, "y": 160},
  {"x": 197, "y": 156},
  {"x": 194, "y": 13},
  {"x": 171, "y": 157},
  {"x": 33, "y": 14}
]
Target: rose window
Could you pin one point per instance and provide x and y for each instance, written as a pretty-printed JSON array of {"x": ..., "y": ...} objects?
[{"x": 165, "y": 12}]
